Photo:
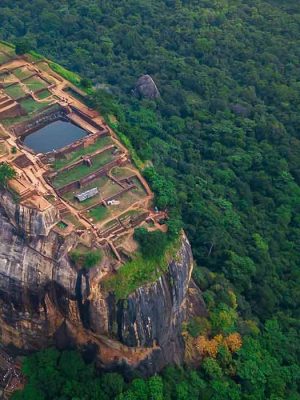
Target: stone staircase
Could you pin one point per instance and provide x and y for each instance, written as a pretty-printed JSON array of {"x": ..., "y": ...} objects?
[
  {"x": 62, "y": 208},
  {"x": 8, "y": 106}
]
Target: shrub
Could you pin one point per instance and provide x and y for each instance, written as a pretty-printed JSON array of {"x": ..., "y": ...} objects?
[
  {"x": 6, "y": 173},
  {"x": 22, "y": 46},
  {"x": 152, "y": 244},
  {"x": 85, "y": 259}
]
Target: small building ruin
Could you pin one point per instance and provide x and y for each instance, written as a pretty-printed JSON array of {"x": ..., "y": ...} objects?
[{"x": 87, "y": 194}]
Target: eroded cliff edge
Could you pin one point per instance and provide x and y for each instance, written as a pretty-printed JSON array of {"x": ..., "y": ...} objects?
[{"x": 45, "y": 301}]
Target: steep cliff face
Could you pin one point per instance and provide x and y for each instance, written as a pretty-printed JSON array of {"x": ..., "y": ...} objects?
[
  {"x": 29, "y": 221},
  {"x": 44, "y": 300}
]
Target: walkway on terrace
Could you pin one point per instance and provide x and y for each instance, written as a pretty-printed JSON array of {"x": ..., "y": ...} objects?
[{"x": 34, "y": 174}]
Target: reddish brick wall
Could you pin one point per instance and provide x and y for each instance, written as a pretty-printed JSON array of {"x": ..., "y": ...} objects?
[
  {"x": 68, "y": 188},
  {"x": 14, "y": 111},
  {"x": 89, "y": 178}
]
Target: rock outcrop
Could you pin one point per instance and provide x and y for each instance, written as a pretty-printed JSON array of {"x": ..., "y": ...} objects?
[
  {"x": 45, "y": 301},
  {"x": 146, "y": 87},
  {"x": 29, "y": 221}
]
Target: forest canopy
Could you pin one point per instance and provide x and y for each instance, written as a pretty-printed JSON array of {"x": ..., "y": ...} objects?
[{"x": 224, "y": 141}]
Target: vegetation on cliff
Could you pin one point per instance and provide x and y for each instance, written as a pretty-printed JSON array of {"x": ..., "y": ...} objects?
[
  {"x": 85, "y": 258},
  {"x": 224, "y": 137},
  {"x": 6, "y": 173},
  {"x": 156, "y": 249}
]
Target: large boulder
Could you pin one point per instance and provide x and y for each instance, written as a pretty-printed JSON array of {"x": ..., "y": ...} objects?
[{"x": 146, "y": 87}]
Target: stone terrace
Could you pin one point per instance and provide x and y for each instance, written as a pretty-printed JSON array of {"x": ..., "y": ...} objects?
[{"x": 32, "y": 96}]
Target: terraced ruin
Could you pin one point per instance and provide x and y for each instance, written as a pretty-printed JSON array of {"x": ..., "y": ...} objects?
[{"x": 100, "y": 196}]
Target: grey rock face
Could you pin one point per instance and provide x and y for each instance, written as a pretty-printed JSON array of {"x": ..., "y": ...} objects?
[
  {"x": 29, "y": 221},
  {"x": 44, "y": 300},
  {"x": 146, "y": 87}
]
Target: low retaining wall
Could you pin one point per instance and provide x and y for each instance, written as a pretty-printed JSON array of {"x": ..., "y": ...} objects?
[
  {"x": 25, "y": 128},
  {"x": 89, "y": 178},
  {"x": 69, "y": 187},
  {"x": 82, "y": 160},
  {"x": 87, "y": 118},
  {"x": 79, "y": 144}
]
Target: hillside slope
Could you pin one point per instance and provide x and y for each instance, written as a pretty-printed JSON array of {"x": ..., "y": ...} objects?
[{"x": 225, "y": 133}]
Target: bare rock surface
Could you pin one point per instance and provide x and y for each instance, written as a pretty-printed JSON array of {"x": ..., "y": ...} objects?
[
  {"x": 146, "y": 87},
  {"x": 45, "y": 301}
]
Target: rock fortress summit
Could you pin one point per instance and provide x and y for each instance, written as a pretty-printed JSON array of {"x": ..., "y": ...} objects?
[{"x": 66, "y": 226}]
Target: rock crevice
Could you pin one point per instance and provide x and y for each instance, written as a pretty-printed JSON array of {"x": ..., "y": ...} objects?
[{"x": 45, "y": 301}]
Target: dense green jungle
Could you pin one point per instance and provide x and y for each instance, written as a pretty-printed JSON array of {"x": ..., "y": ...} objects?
[{"x": 222, "y": 146}]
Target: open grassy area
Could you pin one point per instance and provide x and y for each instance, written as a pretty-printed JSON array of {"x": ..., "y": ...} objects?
[
  {"x": 98, "y": 213},
  {"x": 130, "y": 213},
  {"x": 109, "y": 188},
  {"x": 32, "y": 106},
  {"x": 70, "y": 196},
  {"x": 130, "y": 197},
  {"x": 76, "y": 95},
  {"x": 74, "y": 221},
  {"x": 68, "y": 75},
  {"x": 15, "y": 91},
  {"x": 75, "y": 155},
  {"x": 35, "y": 83},
  {"x": 81, "y": 171},
  {"x": 7, "y": 79},
  {"x": 17, "y": 120},
  {"x": 140, "y": 191},
  {"x": 44, "y": 94},
  {"x": 121, "y": 172},
  {"x": 22, "y": 73},
  {"x": 106, "y": 188},
  {"x": 111, "y": 223}
]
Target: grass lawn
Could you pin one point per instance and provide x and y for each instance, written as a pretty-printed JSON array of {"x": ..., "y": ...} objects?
[
  {"x": 139, "y": 191},
  {"x": 44, "y": 94},
  {"x": 109, "y": 188},
  {"x": 129, "y": 198},
  {"x": 32, "y": 106},
  {"x": 15, "y": 91},
  {"x": 73, "y": 220},
  {"x": 121, "y": 172},
  {"x": 70, "y": 196},
  {"x": 62, "y": 225},
  {"x": 81, "y": 171},
  {"x": 106, "y": 188},
  {"x": 8, "y": 79},
  {"x": 76, "y": 95},
  {"x": 22, "y": 73},
  {"x": 110, "y": 224},
  {"x": 3, "y": 58},
  {"x": 35, "y": 83},
  {"x": 131, "y": 213},
  {"x": 75, "y": 155},
  {"x": 98, "y": 213},
  {"x": 17, "y": 120}
]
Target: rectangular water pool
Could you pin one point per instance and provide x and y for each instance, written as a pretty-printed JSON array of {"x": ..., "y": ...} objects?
[{"x": 53, "y": 136}]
